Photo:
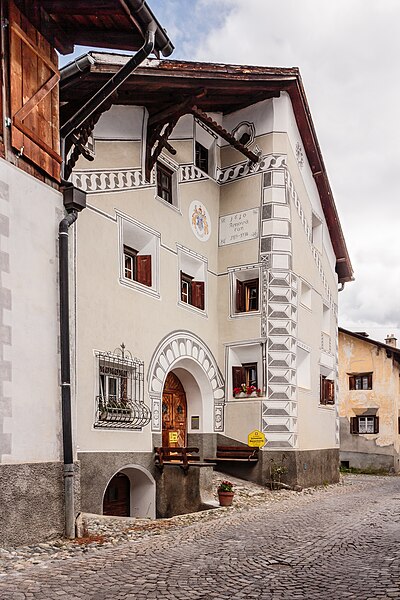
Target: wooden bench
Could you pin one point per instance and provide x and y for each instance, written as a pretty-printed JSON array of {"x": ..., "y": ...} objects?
[
  {"x": 180, "y": 456},
  {"x": 235, "y": 454}
]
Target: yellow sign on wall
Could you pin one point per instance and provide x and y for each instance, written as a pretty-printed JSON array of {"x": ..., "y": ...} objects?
[
  {"x": 256, "y": 438},
  {"x": 173, "y": 437}
]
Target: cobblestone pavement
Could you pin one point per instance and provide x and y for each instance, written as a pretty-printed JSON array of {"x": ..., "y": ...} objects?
[{"x": 336, "y": 542}]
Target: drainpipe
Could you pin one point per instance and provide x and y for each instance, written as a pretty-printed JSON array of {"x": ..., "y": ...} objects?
[
  {"x": 74, "y": 202},
  {"x": 112, "y": 84},
  {"x": 66, "y": 375}
]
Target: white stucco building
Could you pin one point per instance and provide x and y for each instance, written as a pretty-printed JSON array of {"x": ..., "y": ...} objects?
[{"x": 212, "y": 251}]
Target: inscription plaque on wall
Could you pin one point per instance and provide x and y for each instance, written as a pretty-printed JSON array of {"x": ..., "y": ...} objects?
[
  {"x": 239, "y": 227},
  {"x": 195, "y": 422}
]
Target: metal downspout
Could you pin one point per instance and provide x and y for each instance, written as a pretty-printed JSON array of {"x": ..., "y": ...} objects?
[
  {"x": 111, "y": 86},
  {"x": 66, "y": 375},
  {"x": 76, "y": 121}
]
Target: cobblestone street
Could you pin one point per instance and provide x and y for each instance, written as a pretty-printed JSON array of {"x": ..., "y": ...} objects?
[{"x": 336, "y": 542}]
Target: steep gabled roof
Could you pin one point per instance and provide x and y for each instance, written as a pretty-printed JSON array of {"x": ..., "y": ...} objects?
[
  {"x": 162, "y": 86},
  {"x": 390, "y": 350}
]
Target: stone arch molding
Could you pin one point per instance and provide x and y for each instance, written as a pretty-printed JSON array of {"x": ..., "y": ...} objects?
[{"x": 171, "y": 350}]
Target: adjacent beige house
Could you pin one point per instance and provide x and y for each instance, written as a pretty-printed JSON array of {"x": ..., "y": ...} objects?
[
  {"x": 369, "y": 401},
  {"x": 206, "y": 272}
]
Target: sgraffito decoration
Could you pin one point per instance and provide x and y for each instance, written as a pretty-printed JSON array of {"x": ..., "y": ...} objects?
[{"x": 200, "y": 221}]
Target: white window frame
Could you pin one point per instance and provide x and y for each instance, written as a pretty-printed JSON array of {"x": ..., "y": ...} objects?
[
  {"x": 243, "y": 273},
  {"x": 306, "y": 294},
  {"x": 125, "y": 222},
  {"x": 172, "y": 166},
  {"x": 366, "y": 423},
  {"x": 208, "y": 139},
  {"x": 199, "y": 271}
]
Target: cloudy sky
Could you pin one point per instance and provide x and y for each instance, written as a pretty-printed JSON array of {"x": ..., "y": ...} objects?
[{"x": 348, "y": 52}]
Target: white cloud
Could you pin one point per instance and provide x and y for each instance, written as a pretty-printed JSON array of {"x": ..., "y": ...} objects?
[{"x": 347, "y": 52}]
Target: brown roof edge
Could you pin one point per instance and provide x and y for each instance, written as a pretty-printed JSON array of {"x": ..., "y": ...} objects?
[
  {"x": 312, "y": 148},
  {"x": 359, "y": 336}
]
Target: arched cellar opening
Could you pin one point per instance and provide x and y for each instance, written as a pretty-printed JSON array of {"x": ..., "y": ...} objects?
[{"x": 130, "y": 493}]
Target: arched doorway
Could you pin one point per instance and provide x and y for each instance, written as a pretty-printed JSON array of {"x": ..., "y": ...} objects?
[
  {"x": 174, "y": 413},
  {"x": 117, "y": 497}
]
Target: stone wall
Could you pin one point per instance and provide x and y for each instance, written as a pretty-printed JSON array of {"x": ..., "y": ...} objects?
[
  {"x": 97, "y": 468},
  {"x": 179, "y": 492},
  {"x": 32, "y": 502}
]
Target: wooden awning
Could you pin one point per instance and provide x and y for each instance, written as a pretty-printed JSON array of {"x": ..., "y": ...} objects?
[{"x": 119, "y": 24}]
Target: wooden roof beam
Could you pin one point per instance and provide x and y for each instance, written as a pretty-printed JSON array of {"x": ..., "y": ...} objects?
[{"x": 228, "y": 137}]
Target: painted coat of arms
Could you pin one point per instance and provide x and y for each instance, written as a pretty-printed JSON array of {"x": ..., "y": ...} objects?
[{"x": 200, "y": 221}]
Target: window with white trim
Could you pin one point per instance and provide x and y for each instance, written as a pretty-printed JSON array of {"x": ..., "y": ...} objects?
[
  {"x": 192, "y": 279},
  {"x": 364, "y": 424},
  {"x": 205, "y": 147},
  {"x": 245, "y": 291},
  {"x": 317, "y": 229},
  {"x": 167, "y": 181},
  {"x": 139, "y": 255},
  {"x": 305, "y": 294}
]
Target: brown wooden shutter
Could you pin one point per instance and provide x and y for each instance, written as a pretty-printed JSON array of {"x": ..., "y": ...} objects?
[
  {"x": 353, "y": 424},
  {"x": 239, "y": 296},
  {"x": 198, "y": 294},
  {"x": 34, "y": 98},
  {"x": 376, "y": 424},
  {"x": 352, "y": 382},
  {"x": 398, "y": 425},
  {"x": 238, "y": 377},
  {"x": 330, "y": 391},
  {"x": 143, "y": 264},
  {"x": 370, "y": 381}
]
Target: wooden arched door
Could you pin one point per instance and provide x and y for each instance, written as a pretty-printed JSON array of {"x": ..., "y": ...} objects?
[
  {"x": 117, "y": 496},
  {"x": 174, "y": 413}
]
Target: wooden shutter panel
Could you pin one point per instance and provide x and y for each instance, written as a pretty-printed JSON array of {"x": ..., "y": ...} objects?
[
  {"x": 198, "y": 294},
  {"x": 352, "y": 382},
  {"x": 143, "y": 264},
  {"x": 370, "y": 381},
  {"x": 376, "y": 424},
  {"x": 353, "y": 424},
  {"x": 34, "y": 95},
  {"x": 239, "y": 296},
  {"x": 238, "y": 377},
  {"x": 330, "y": 391}
]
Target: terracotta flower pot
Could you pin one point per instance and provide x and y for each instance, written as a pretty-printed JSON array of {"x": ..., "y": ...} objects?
[{"x": 225, "y": 498}]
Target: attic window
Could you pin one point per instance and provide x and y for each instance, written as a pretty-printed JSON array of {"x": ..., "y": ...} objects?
[{"x": 244, "y": 133}]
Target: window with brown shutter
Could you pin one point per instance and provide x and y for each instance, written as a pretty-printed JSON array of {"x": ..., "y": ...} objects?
[
  {"x": 198, "y": 294},
  {"x": 137, "y": 267},
  {"x": 245, "y": 374},
  {"x": 364, "y": 424},
  {"x": 246, "y": 295},
  {"x": 144, "y": 269},
  {"x": 327, "y": 391},
  {"x": 361, "y": 381},
  {"x": 34, "y": 98}
]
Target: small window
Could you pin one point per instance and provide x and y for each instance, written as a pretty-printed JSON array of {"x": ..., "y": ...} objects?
[
  {"x": 137, "y": 267},
  {"x": 201, "y": 158},
  {"x": 362, "y": 381},
  {"x": 192, "y": 277},
  {"x": 119, "y": 400},
  {"x": 364, "y": 424},
  {"x": 192, "y": 292},
  {"x": 245, "y": 375},
  {"x": 247, "y": 295},
  {"x": 305, "y": 294},
  {"x": 317, "y": 232},
  {"x": 139, "y": 256},
  {"x": 327, "y": 391},
  {"x": 164, "y": 182}
]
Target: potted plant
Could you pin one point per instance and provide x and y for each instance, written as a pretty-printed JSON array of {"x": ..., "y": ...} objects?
[
  {"x": 246, "y": 391},
  {"x": 225, "y": 493}
]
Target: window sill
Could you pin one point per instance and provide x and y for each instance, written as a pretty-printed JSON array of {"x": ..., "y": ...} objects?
[
  {"x": 245, "y": 314},
  {"x": 308, "y": 308},
  {"x": 168, "y": 204},
  {"x": 192, "y": 308},
  {"x": 144, "y": 289}
]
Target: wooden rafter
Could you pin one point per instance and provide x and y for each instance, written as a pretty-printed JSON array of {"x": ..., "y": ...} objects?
[{"x": 202, "y": 116}]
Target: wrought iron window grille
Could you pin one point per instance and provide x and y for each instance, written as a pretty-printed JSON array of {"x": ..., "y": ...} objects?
[{"x": 120, "y": 400}]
